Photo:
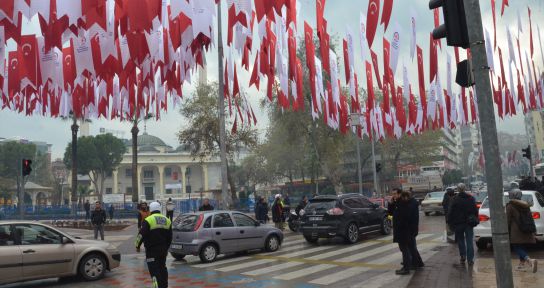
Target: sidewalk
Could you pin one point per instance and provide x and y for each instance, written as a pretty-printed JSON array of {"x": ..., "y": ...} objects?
[{"x": 444, "y": 270}]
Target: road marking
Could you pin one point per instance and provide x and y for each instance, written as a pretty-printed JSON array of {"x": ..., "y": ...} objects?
[
  {"x": 289, "y": 243},
  {"x": 338, "y": 276},
  {"x": 221, "y": 262},
  {"x": 304, "y": 272},
  {"x": 273, "y": 268},
  {"x": 245, "y": 265}
]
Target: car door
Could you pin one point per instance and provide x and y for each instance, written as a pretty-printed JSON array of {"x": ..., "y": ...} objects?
[
  {"x": 356, "y": 211},
  {"x": 224, "y": 232},
  {"x": 11, "y": 261},
  {"x": 250, "y": 234},
  {"x": 374, "y": 216},
  {"x": 44, "y": 254}
]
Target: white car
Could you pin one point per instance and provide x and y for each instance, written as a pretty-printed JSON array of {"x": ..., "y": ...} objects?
[{"x": 482, "y": 232}]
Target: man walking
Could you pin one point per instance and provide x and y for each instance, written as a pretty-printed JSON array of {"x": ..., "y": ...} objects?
[
  {"x": 156, "y": 235},
  {"x": 462, "y": 217},
  {"x": 111, "y": 210},
  {"x": 98, "y": 219},
  {"x": 518, "y": 212},
  {"x": 277, "y": 212},
  {"x": 170, "y": 205},
  {"x": 446, "y": 201},
  {"x": 87, "y": 207}
]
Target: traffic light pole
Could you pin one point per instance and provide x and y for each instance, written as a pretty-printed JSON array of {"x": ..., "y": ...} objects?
[
  {"x": 499, "y": 227},
  {"x": 21, "y": 201}
]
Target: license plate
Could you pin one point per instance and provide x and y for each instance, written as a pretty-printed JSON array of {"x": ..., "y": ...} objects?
[
  {"x": 316, "y": 218},
  {"x": 176, "y": 246}
]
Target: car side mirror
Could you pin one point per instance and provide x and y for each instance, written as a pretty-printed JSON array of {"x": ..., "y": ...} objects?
[
  {"x": 257, "y": 224},
  {"x": 65, "y": 240}
]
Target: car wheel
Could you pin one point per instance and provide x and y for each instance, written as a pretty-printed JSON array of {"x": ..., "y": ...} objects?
[
  {"x": 427, "y": 213},
  {"x": 272, "y": 243},
  {"x": 352, "y": 233},
  {"x": 208, "y": 253},
  {"x": 311, "y": 239},
  {"x": 177, "y": 256},
  {"x": 481, "y": 244},
  {"x": 386, "y": 226},
  {"x": 92, "y": 267},
  {"x": 293, "y": 226}
]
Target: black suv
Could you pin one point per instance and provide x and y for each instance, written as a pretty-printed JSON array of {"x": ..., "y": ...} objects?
[{"x": 346, "y": 215}]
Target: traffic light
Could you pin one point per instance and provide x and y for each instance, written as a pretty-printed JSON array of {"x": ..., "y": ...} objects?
[
  {"x": 527, "y": 152},
  {"x": 454, "y": 28},
  {"x": 378, "y": 167},
  {"x": 27, "y": 167}
]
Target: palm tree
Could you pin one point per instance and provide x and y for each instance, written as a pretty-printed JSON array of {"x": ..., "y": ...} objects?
[{"x": 83, "y": 191}]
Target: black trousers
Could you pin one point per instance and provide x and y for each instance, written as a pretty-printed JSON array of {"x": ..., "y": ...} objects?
[
  {"x": 405, "y": 249},
  {"x": 416, "y": 258},
  {"x": 170, "y": 215},
  {"x": 156, "y": 264}
]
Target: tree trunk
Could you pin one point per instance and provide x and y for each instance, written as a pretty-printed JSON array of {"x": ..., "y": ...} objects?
[
  {"x": 134, "y": 168},
  {"x": 73, "y": 195},
  {"x": 232, "y": 185}
]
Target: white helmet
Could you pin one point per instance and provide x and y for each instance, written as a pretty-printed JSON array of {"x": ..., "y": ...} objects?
[
  {"x": 277, "y": 196},
  {"x": 155, "y": 206}
]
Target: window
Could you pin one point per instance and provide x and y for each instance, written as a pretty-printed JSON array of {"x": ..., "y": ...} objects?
[
  {"x": 168, "y": 172},
  {"x": 148, "y": 173},
  {"x": 366, "y": 203},
  {"x": 6, "y": 237},
  {"x": 128, "y": 190},
  {"x": 208, "y": 222},
  {"x": 353, "y": 203},
  {"x": 222, "y": 220},
  {"x": 128, "y": 172},
  {"x": 109, "y": 191},
  {"x": 30, "y": 234},
  {"x": 540, "y": 199},
  {"x": 243, "y": 220},
  {"x": 168, "y": 191}
]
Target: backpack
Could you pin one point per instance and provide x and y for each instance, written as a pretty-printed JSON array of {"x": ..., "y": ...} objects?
[{"x": 526, "y": 223}]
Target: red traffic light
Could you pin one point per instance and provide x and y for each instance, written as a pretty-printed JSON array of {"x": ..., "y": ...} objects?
[{"x": 27, "y": 167}]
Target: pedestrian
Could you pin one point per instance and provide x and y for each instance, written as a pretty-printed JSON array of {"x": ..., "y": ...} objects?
[
  {"x": 98, "y": 219},
  {"x": 303, "y": 202},
  {"x": 206, "y": 206},
  {"x": 87, "y": 207},
  {"x": 143, "y": 213},
  {"x": 462, "y": 217},
  {"x": 111, "y": 211},
  {"x": 277, "y": 212},
  {"x": 170, "y": 205},
  {"x": 156, "y": 235},
  {"x": 405, "y": 223},
  {"x": 261, "y": 210},
  {"x": 516, "y": 209},
  {"x": 392, "y": 204},
  {"x": 446, "y": 201}
]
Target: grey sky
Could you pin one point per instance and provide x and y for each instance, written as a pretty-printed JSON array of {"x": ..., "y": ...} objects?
[{"x": 339, "y": 13}]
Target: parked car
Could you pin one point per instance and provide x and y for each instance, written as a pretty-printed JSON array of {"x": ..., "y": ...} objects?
[
  {"x": 346, "y": 216},
  {"x": 480, "y": 197},
  {"x": 31, "y": 251},
  {"x": 433, "y": 203},
  {"x": 482, "y": 232},
  {"x": 210, "y": 233}
]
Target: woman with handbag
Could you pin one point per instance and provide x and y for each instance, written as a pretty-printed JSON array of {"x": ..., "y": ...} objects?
[
  {"x": 522, "y": 228},
  {"x": 462, "y": 218}
]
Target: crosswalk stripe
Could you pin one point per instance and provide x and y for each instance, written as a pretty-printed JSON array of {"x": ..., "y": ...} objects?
[
  {"x": 292, "y": 242},
  {"x": 304, "y": 272},
  {"x": 221, "y": 262},
  {"x": 305, "y": 251},
  {"x": 245, "y": 265},
  {"x": 273, "y": 268}
]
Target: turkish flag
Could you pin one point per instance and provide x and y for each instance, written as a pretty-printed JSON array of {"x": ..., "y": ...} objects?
[
  {"x": 234, "y": 18},
  {"x": 370, "y": 88},
  {"x": 386, "y": 57},
  {"x": 28, "y": 58},
  {"x": 433, "y": 61},
  {"x": 412, "y": 110},
  {"x": 386, "y": 13},
  {"x": 310, "y": 48},
  {"x": 95, "y": 12},
  {"x": 464, "y": 100},
  {"x": 6, "y": 6},
  {"x": 494, "y": 24},
  {"x": 502, "y": 70},
  {"x": 346, "y": 61},
  {"x": 530, "y": 32},
  {"x": 399, "y": 109},
  {"x": 372, "y": 19},
  {"x": 14, "y": 83},
  {"x": 436, "y": 24},
  {"x": 325, "y": 48},
  {"x": 421, "y": 75},
  {"x": 68, "y": 67},
  {"x": 520, "y": 60},
  {"x": 521, "y": 94},
  {"x": 504, "y": 3},
  {"x": 376, "y": 68},
  {"x": 320, "y": 21},
  {"x": 255, "y": 79},
  {"x": 263, "y": 8}
]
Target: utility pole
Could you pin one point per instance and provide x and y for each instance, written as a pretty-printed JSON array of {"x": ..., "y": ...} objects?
[
  {"x": 499, "y": 227},
  {"x": 21, "y": 187},
  {"x": 355, "y": 121},
  {"x": 222, "y": 134},
  {"x": 73, "y": 195},
  {"x": 374, "y": 173}
]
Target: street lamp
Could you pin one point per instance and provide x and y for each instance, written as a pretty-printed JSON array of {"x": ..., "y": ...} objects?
[{"x": 355, "y": 121}]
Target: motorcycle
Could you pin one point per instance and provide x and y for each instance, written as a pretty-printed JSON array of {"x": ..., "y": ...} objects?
[{"x": 293, "y": 221}]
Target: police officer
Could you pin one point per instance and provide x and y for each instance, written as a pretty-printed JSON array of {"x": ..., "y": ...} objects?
[{"x": 156, "y": 235}]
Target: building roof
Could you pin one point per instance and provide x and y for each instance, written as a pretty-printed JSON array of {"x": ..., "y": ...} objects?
[
  {"x": 150, "y": 140},
  {"x": 33, "y": 186},
  {"x": 147, "y": 148}
]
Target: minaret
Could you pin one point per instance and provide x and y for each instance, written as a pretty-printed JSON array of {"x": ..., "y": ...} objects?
[
  {"x": 203, "y": 72},
  {"x": 84, "y": 129}
]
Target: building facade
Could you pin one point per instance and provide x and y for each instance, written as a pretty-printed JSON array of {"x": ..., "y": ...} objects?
[{"x": 535, "y": 133}]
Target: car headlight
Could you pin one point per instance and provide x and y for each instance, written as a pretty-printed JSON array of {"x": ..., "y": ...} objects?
[{"x": 301, "y": 212}]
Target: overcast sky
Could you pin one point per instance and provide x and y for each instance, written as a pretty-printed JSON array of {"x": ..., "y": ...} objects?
[{"x": 338, "y": 13}]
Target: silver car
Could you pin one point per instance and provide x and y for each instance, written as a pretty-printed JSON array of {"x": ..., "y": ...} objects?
[
  {"x": 210, "y": 233},
  {"x": 30, "y": 251}
]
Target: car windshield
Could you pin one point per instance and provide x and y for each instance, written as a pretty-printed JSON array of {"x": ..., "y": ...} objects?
[
  {"x": 320, "y": 205},
  {"x": 525, "y": 197},
  {"x": 185, "y": 222},
  {"x": 435, "y": 195},
  {"x": 480, "y": 196}
]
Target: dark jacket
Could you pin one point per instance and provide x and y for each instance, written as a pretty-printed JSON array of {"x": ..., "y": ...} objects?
[
  {"x": 300, "y": 206},
  {"x": 391, "y": 206},
  {"x": 87, "y": 206},
  {"x": 405, "y": 220},
  {"x": 261, "y": 211},
  {"x": 462, "y": 205},
  {"x": 513, "y": 210},
  {"x": 208, "y": 207},
  {"x": 98, "y": 217},
  {"x": 277, "y": 211},
  {"x": 446, "y": 201},
  {"x": 155, "y": 234}
]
